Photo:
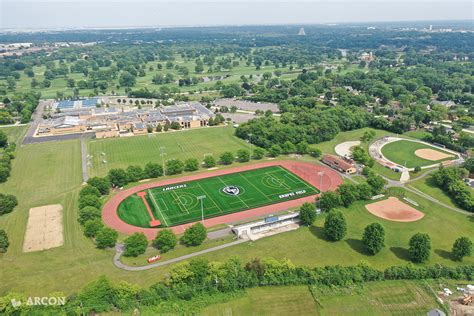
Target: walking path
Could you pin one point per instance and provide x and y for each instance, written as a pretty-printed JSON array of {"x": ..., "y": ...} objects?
[{"x": 119, "y": 249}]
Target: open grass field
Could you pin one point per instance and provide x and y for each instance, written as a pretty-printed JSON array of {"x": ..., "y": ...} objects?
[
  {"x": 50, "y": 173},
  {"x": 14, "y": 133},
  {"x": 402, "y": 152},
  {"x": 138, "y": 150},
  {"x": 178, "y": 203},
  {"x": 375, "y": 298}
]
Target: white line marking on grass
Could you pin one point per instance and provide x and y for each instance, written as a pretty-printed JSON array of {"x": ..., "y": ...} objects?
[
  {"x": 254, "y": 186},
  {"x": 210, "y": 197},
  {"x": 282, "y": 183},
  {"x": 156, "y": 206},
  {"x": 179, "y": 201},
  {"x": 237, "y": 195},
  {"x": 164, "y": 204}
]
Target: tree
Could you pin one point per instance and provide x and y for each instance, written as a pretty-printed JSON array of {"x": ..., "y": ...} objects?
[
  {"x": 468, "y": 164},
  {"x": 243, "y": 155},
  {"x": 135, "y": 245},
  {"x": 118, "y": 177},
  {"x": 106, "y": 238},
  {"x": 417, "y": 169},
  {"x": 329, "y": 200},
  {"x": 258, "y": 153},
  {"x": 191, "y": 164},
  {"x": 89, "y": 200},
  {"x": 373, "y": 238},
  {"x": 88, "y": 213},
  {"x": 420, "y": 247},
  {"x": 376, "y": 182},
  {"x": 209, "y": 161},
  {"x": 7, "y": 203},
  {"x": 89, "y": 190},
  {"x": 165, "y": 240},
  {"x": 153, "y": 170},
  {"x": 227, "y": 158},
  {"x": 134, "y": 173},
  {"x": 102, "y": 184},
  {"x": 335, "y": 226},
  {"x": 462, "y": 247},
  {"x": 194, "y": 235},
  {"x": 315, "y": 152},
  {"x": 174, "y": 166},
  {"x": 3, "y": 139},
  {"x": 92, "y": 227},
  {"x": 275, "y": 150},
  {"x": 348, "y": 193},
  {"x": 4, "y": 243},
  {"x": 308, "y": 213},
  {"x": 127, "y": 79}
]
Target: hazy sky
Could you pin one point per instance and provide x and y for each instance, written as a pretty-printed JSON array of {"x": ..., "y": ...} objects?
[{"x": 112, "y": 13}]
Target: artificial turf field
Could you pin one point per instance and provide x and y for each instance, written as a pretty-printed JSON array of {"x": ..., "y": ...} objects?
[{"x": 177, "y": 203}]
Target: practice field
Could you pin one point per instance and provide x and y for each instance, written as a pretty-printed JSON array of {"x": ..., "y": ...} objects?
[
  {"x": 106, "y": 154},
  {"x": 178, "y": 203},
  {"x": 411, "y": 154}
]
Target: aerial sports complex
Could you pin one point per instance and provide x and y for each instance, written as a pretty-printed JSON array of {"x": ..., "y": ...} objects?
[{"x": 217, "y": 197}]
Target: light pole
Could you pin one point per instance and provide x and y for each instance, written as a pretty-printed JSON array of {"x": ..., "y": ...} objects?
[
  {"x": 201, "y": 198},
  {"x": 320, "y": 174},
  {"x": 162, "y": 154}
]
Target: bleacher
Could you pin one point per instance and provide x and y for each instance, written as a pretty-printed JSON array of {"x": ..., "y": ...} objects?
[
  {"x": 65, "y": 104},
  {"x": 92, "y": 102}
]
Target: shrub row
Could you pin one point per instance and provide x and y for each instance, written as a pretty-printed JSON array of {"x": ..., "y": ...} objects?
[{"x": 201, "y": 280}]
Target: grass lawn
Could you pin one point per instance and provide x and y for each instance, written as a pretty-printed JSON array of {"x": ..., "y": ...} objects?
[
  {"x": 177, "y": 203},
  {"x": 374, "y": 298},
  {"x": 403, "y": 153},
  {"x": 384, "y": 171},
  {"x": 428, "y": 186},
  {"x": 51, "y": 173},
  {"x": 14, "y": 133},
  {"x": 138, "y": 150},
  {"x": 308, "y": 246},
  {"x": 285, "y": 300}
]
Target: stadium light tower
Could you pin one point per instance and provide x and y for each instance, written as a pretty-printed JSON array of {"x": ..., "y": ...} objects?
[
  {"x": 201, "y": 198},
  {"x": 321, "y": 174},
  {"x": 162, "y": 154}
]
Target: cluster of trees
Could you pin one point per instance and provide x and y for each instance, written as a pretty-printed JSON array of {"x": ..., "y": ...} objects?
[
  {"x": 165, "y": 240},
  {"x": 90, "y": 214},
  {"x": 7, "y": 203},
  {"x": 361, "y": 155},
  {"x": 441, "y": 135},
  {"x": 4, "y": 243},
  {"x": 205, "y": 280},
  {"x": 6, "y": 156},
  {"x": 348, "y": 193},
  {"x": 301, "y": 126},
  {"x": 451, "y": 181},
  {"x": 19, "y": 107}
]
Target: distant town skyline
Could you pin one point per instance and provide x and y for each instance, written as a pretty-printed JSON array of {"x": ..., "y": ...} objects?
[{"x": 66, "y": 14}]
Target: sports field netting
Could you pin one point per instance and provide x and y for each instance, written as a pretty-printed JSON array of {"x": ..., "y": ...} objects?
[{"x": 178, "y": 203}]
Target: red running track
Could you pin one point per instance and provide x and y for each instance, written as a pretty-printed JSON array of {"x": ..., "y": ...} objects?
[{"x": 329, "y": 181}]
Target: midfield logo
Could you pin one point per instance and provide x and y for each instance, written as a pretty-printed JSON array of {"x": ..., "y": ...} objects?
[{"x": 231, "y": 190}]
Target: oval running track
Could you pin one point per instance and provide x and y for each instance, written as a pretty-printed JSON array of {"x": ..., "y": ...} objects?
[{"x": 309, "y": 172}]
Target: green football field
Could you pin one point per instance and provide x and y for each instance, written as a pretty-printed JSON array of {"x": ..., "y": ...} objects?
[{"x": 178, "y": 203}]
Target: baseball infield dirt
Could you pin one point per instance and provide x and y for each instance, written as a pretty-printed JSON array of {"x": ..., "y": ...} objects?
[
  {"x": 44, "y": 229},
  {"x": 393, "y": 209},
  {"x": 431, "y": 154}
]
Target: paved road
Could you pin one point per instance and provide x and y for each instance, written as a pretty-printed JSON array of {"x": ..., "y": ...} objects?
[
  {"x": 85, "y": 175},
  {"x": 36, "y": 117},
  {"x": 119, "y": 248}
]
